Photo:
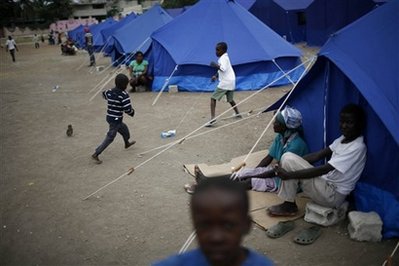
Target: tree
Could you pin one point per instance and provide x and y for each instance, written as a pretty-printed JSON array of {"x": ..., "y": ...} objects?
[
  {"x": 31, "y": 11},
  {"x": 178, "y": 3}
]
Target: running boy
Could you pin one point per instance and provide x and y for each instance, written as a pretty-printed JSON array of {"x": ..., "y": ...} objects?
[
  {"x": 227, "y": 81},
  {"x": 118, "y": 102},
  {"x": 11, "y": 46},
  {"x": 219, "y": 211}
]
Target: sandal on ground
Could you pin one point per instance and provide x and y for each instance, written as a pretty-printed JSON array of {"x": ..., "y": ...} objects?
[
  {"x": 280, "y": 229},
  {"x": 286, "y": 209},
  {"x": 190, "y": 188},
  {"x": 308, "y": 236}
]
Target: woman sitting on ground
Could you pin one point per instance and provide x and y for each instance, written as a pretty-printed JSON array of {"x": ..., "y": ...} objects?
[
  {"x": 289, "y": 138},
  {"x": 138, "y": 71}
]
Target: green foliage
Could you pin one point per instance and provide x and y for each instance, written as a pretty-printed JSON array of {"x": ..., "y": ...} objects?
[
  {"x": 178, "y": 3},
  {"x": 33, "y": 11},
  {"x": 113, "y": 11}
]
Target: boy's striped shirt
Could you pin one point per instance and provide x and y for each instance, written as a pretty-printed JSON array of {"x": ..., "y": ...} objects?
[{"x": 118, "y": 102}]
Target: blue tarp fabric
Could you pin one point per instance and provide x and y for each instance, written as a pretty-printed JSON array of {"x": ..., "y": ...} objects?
[
  {"x": 325, "y": 17},
  {"x": 293, "y": 5},
  {"x": 136, "y": 34},
  {"x": 251, "y": 47},
  {"x": 108, "y": 32},
  {"x": 312, "y": 21},
  {"x": 77, "y": 35},
  {"x": 96, "y": 29},
  {"x": 360, "y": 64},
  {"x": 285, "y": 17}
]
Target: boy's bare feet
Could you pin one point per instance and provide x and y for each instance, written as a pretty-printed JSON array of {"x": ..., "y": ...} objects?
[
  {"x": 96, "y": 159},
  {"x": 127, "y": 145}
]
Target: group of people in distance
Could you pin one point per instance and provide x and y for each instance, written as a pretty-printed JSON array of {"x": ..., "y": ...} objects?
[{"x": 219, "y": 205}]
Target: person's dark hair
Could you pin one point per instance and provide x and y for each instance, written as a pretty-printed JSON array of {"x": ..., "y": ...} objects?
[
  {"x": 224, "y": 184},
  {"x": 222, "y": 45},
  {"x": 121, "y": 81},
  {"x": 357, "y": 111},
  {"x": 139, "y": 53},
  {"x": 9, "y": 37}
]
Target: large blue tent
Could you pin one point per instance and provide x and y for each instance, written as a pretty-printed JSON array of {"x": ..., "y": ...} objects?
[
  {"x": 286, "y": 17},
  {"x": 95, "y": 29},
  {"x": 360, "y": 64},
  {"x": 108, "y": 32},
  {"x": 77, "y": 35},
  {"x": 136, "y": 34},
  {"x": 325, "y": 17},
  {"x": 308, "y": 20},
  {"x": 255, "y": 51}
]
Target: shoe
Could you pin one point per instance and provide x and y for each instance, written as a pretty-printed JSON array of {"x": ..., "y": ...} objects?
[
  {"x": 96, "y": 159},
  {"x": 280, "y": 229},
  {"x": 127, "y": 145},
  {"x": 238, "y": 116},
  {"x": 211, "y": 123},
  {"x": 308, "y": 235},
  {"x": 284, "y": 209}
]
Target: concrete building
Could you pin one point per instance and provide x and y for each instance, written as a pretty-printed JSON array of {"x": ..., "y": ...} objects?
[{"x": 98, "y": 8}]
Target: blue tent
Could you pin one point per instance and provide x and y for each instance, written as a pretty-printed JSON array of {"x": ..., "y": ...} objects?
[
  {"x": 136, "y": 34},
  {"x": 174, "y": 12},
  {"x": 77, "y": 35},
  {"x": 308, "y": 20},
  {"x": 252, "y": 48},
  {"x": 286, "y": 17},
  {"x": 360, "y": 64},
  {"x": 246, "y": 3},
  {"x": 108, "y": 32},
  {"x": 324, "y": 17},
  {"x": 95, "y": 29}
]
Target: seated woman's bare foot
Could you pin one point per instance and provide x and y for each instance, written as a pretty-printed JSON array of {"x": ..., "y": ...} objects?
[{"x": 199, "y": 176}]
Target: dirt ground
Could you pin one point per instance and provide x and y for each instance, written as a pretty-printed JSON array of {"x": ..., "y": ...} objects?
[{"x": 143, "y": 217}]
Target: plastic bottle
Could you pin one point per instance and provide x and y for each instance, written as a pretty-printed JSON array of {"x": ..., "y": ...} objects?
[
  {"x": 56, "y": 87},
  {"x": 168, "y": 134}
]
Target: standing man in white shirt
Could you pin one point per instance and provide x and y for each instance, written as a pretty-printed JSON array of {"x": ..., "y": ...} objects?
[
  {"x": 227, "y": 81},
  {"x": 11, "y": 46}
]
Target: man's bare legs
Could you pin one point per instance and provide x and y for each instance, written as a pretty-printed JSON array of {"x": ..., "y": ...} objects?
[
  {"x": 213, "y": 108},
  {"x": 233, "y": 104}
]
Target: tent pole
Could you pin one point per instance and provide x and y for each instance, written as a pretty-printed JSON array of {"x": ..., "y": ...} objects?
[
  {"x": 279, "y": 109},
  {"x": 288, "y": 77},
  {"x": 164, "y": 85},
  {"x": 188, "y": 242}
]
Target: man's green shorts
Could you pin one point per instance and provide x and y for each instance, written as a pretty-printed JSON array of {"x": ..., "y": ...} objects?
[{"x": 219, "y": 93}]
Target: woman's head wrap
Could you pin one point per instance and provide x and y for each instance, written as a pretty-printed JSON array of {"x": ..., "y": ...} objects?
[{"x": 292, "y": 117}]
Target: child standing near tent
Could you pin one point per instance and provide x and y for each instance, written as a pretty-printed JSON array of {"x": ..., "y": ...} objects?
[
  {"x": 220, "y": 215},
  {"x": 118, "y": 102},
  {"x": 89, "y": 46},
  {"x": 227, "y": 81}
]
